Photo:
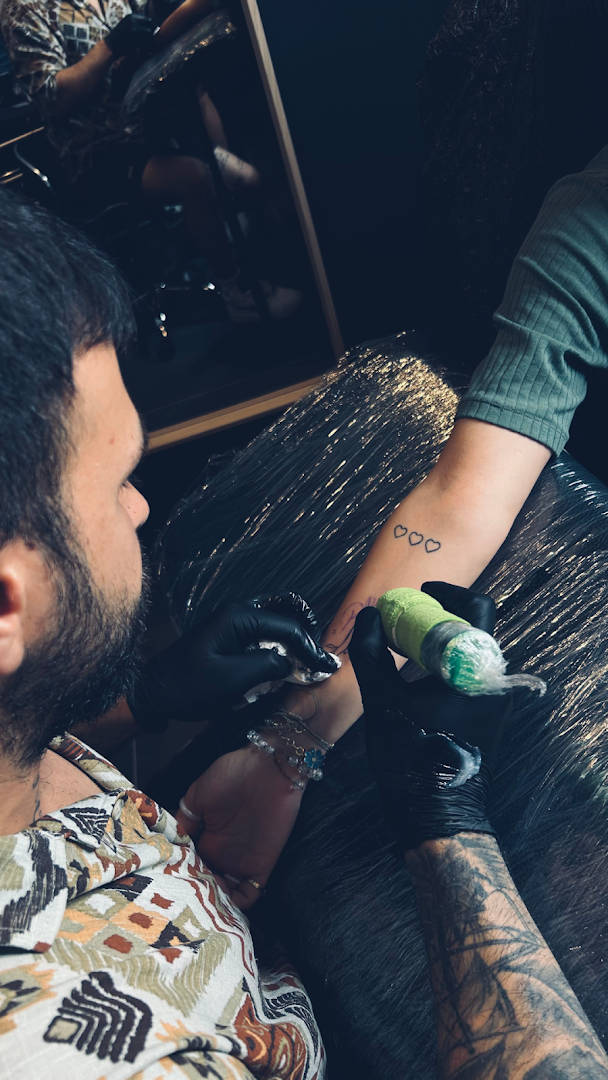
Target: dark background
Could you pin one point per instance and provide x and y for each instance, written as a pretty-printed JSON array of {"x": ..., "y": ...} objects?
[{"x": 347, "y": 73}]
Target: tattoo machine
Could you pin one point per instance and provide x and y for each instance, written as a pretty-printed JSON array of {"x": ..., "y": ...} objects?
[
  {"x": 293, "y": 606},
  {"x": 467, "y": 659}
]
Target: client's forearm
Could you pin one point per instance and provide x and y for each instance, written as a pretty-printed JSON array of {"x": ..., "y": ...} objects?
[
  {"x": 503, "y": 1006},
  {"x": 452, "y": 524},
  {"x": 448, "y": 529}
]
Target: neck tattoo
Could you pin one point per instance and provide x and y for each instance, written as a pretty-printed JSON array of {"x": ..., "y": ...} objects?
[{"x": 36, "y": 790}]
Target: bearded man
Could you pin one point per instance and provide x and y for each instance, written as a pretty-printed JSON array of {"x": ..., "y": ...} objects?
[{"x": 120, "y": 953}]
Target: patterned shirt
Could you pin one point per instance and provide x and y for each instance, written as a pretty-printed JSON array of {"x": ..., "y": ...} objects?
[
  {"x": 45, "y": 36},
  {"x": 121, "y": 957}
]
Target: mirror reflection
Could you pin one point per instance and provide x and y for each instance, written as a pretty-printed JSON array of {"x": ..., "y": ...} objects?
[{"x": 146, "y": 124}]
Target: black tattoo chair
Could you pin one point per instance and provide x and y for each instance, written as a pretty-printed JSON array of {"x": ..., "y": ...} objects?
[{"x": 349, "y": 453}]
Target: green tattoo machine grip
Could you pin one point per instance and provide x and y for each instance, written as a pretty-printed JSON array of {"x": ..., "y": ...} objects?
[{"x": 468, "y": 659}]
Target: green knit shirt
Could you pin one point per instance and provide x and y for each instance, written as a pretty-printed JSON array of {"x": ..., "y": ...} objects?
[{"x": 553, "y": 321}]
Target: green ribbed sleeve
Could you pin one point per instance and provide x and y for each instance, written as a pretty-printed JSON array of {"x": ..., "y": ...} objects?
[{"x": 553, "y": 321}]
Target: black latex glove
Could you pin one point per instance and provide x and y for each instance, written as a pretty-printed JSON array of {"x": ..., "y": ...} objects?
[
  {"x": 132, "y": 33},
  {"x": 209, "y": 669},
  {"x": 421, "y": 735}
]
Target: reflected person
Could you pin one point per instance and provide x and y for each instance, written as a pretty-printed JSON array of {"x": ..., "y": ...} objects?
[{"x": 65, "y": 58}]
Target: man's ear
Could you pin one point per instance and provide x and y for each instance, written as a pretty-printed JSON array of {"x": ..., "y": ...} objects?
[{"x": 24, "y": 596}]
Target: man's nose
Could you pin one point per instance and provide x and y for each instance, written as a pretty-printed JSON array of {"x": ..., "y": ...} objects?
[
  {"x": 137, "y": 507},
  {"x": 143, "y": 510}
]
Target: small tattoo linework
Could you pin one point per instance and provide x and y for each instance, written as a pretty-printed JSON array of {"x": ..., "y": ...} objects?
[
  {"x": 416, "y": 538},
  {"x": 344, "y": 631}
]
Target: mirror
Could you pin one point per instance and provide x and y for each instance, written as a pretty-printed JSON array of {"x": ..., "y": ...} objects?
[{"x": 196, "y": 195}]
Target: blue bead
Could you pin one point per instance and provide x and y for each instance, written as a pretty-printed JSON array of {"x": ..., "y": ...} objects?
[{"x": 313, "y": 759}]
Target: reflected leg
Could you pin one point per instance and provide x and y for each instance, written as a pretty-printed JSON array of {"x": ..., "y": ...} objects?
[
  {"x": 238, "y": 175},
  {"x": 212, "y": 119},
  {"x": 186, "y": 180}
]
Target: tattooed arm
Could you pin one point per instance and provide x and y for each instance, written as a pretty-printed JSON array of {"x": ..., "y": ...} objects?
[
  {"x": 448, "y": 528},
  {"x": 504, "y": 1009},
  {"x": 466, "y": 506},
  {"x": 503, "y": 1006}
]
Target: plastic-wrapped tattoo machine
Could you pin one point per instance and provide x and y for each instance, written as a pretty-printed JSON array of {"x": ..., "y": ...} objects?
[{"x": 466, "y": 658}]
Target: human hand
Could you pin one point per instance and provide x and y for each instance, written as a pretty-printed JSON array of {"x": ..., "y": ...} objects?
[
  {"x": 247, "y": 810},
  {"x": 132, "y": 33},
  {"x": 431, "y": 748},
  {"x": 210, "y": 668}
]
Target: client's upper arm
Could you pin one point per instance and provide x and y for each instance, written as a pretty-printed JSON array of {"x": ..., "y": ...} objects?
[
  {"x": 553, "y": 321},
  {"x": 488, "y": 467}
]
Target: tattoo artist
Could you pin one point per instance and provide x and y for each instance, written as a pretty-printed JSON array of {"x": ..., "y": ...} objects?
[{"x": 503, "y": 1006}]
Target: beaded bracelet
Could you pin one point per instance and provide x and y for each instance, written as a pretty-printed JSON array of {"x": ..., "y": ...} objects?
[
  {"x": 261, "y": 744},
  {"x": 297, "y": 785},
  {"x": 298, "y": 724},
  {"x": 312, "y": 758},
  {"x": 306, "y": 766}
]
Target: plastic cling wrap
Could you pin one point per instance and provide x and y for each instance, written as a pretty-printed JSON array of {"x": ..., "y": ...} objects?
[
  {"x": 299, "y": 509},
  {"x": 473, "y": 663}
]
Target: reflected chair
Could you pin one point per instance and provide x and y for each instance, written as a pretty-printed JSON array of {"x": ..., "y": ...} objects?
[{"x": 129, "y": 231}]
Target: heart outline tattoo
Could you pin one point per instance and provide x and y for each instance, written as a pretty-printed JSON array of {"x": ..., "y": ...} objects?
[
  {"x": 432, "y": 546},
  {"x": 399, "y": 531},
  {"x": 413, "y": 542}
]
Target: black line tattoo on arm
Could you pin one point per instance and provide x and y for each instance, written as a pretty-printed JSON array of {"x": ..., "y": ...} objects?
[
  {"x": 416, "y": 538},
  {"x": 342, "y": 630},
  {"x": 503, "y": 1006}
]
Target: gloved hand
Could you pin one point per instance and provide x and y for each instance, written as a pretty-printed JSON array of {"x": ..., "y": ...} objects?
[
  {"x": 130, "y": 34},
  {"x": 431, "y": 748},
  {"x": 209, "y": 668}
]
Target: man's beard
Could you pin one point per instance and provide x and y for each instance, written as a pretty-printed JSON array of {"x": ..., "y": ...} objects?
[{"x": 79, "y": 670}]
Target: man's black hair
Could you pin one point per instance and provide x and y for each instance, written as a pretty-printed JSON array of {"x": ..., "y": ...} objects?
[{"x": 59, "y": 295}]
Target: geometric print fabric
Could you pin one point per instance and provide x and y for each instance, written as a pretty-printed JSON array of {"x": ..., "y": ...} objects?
[{"x": 127, "y": 960}]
